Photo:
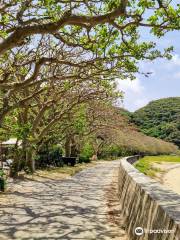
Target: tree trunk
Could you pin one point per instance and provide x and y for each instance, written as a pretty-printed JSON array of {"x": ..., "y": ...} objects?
[
  {"x": 28, "y": 163},
  {"x": 74, "y": 149},
  {"x": 68, "y": 146},
  {"x": 30, "y": 160},
  {"x": 16, "y": 165}
]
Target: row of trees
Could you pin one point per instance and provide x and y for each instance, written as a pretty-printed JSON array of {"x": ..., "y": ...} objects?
[
  {"x": 59, "y": 57},
  {"x": 111, "y": 133}
]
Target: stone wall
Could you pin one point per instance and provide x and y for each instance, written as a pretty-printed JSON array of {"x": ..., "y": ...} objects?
[{"x": 148, "y": 205}]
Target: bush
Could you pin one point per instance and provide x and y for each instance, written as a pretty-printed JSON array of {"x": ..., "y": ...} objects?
[
  {"x": 84, "y": 159},
  {"x": 86, "y": 153},
  {"x": 160, "y": 118},
  {"x": 49, "y": 157},
  {"x": 114, "y": 151},
  {"x": 2, "y": 181}
]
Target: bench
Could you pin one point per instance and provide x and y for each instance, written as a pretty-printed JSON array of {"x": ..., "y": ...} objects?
[{"x": 69, "y": 160}]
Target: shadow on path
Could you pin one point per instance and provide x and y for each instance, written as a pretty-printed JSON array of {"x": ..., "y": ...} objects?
[{"x": 74, "y": 208}]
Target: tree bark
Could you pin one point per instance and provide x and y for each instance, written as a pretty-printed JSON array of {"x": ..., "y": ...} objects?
[
  {"x": 68, "y": 146},
  {"x": 30, "y": 159},
  {"x": 18, "y": 37}
]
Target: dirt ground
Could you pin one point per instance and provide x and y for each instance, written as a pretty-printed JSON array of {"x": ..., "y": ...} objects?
[{"x": 169, "y": 175}]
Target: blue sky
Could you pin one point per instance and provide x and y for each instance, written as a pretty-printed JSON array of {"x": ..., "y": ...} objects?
[{"x": 163, "y": 82}]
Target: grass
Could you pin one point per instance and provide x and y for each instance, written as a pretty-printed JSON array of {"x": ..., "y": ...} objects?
[
  {"x": 58, "y": 172},
  {"x": 72, "y": 170},
  {"x": 145, "y": 165}
]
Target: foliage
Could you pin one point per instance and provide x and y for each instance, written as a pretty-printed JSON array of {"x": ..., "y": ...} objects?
[
  {"x": 2, "y": 173},
  {"x": 49, "y": 156},
  {"x": 86, "y": 153},
  {"x": 161, "y": 119},
  {"x": 111, "y": 133},
  {"x": 2, "y": 181},
  {"x": 114, "y": 151},
  {"x": 58, "y": 65}
]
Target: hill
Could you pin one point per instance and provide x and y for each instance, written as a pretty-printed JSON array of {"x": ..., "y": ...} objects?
[{"x": 160, "y": 119}]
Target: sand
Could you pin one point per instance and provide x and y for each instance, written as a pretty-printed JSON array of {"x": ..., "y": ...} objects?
[
  {"x": 170, "y": 175},
  {"x": 172, "y": 179}
]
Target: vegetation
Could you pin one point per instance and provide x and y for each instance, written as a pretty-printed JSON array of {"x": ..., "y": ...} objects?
[
  {"x": 2, "y": 180},
  {"x": 161, "y": 119},
  {"x": 145, "y": 165},
  {"x": 118, "y": 137},
  {"x": 92, "y": 128},
  {"x": 57, "y": 173},
  {"x": 58, "y": 65}
]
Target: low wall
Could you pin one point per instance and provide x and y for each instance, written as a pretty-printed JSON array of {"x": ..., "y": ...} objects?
[{"x": 148, "y": 205}]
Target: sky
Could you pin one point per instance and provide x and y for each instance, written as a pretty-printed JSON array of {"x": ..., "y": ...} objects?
[{"x": 163, "y": 82}]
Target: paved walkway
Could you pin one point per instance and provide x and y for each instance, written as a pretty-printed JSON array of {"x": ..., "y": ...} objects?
[{"x": 82, "y": 207}]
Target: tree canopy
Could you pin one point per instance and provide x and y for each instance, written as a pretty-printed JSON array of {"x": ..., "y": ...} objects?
[
  {"x": 105, "y": 27},
  {"x": 57, "y": 58}
]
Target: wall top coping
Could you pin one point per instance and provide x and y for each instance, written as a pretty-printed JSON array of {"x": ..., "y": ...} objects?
[{"x": 164, "y": 197}]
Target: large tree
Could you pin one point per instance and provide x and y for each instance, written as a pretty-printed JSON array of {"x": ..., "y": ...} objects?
[
  {"x": 107, "y": 27},
  {"x": 37, "y": 108},
  {"x": 105, "y": 34},
  {"x": 57, "y": 54}
]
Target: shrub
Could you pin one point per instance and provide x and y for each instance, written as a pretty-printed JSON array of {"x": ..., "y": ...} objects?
[
  {"x": 2, "y": 181},
  {"x": 86, "y": 153},
  {"x": 49, "y": 157}
]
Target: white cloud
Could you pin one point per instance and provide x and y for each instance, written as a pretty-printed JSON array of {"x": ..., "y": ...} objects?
[
  {"x": 176, "y": 59},
  {"x": 176, "y": 75},
  {"x": 141, "y": 102},
  {"x": 164, "y": 82},
  {"x": 134, "y": 93},
  {"x": 134, "y": 86},
  {"x": 162, "y": 66}
]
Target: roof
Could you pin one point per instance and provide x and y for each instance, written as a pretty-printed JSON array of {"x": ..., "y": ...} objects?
[{"x": 12, "y": 141}]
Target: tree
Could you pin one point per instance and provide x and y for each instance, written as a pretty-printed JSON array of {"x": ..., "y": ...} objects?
[
  {"x": 69, "y": 19},
  {"x": 53, "y": 105},
  {"x": 160, "y": 119},
  {"x": 57, "y": 55},
  {"x": 109, "y": 132}
]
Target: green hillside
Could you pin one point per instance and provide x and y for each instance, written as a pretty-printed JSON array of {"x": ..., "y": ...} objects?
[{"x": 161, "y": 119}]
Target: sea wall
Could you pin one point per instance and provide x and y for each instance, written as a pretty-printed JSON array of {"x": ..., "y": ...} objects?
[{"x": 150, "y": 210}]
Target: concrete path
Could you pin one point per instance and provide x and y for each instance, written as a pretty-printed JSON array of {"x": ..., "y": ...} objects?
[{"x": 82, "y": 207}]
